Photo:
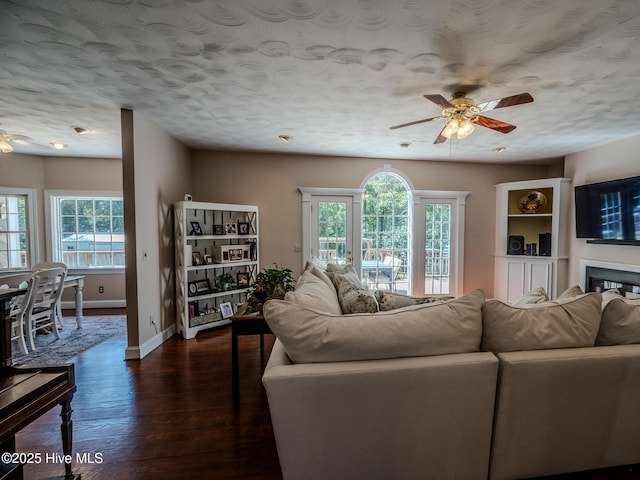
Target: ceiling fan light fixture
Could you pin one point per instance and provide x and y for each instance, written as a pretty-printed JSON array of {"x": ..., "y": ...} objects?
[
  {"x": 466, "y": 128},
  {"x": 5, "y": 147},
  {"x": 451, "y": 128},
  {"x": 58, "y": 145}
]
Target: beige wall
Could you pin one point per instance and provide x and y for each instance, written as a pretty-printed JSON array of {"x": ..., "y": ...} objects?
[
  {"x": 271, "y": 181},
  {"x": 616, "y": 160},
  {"x": 67, "y": 173},
  {"x": 156, "y": 173}
]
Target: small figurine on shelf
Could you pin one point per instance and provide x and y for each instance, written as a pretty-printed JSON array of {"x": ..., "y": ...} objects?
[{"x": 270, "y": 283}]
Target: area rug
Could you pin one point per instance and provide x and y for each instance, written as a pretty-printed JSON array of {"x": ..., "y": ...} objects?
[{"x": 73, "y": 340}]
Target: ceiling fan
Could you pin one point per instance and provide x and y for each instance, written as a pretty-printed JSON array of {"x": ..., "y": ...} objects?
[
  {"x": 463, "y": 113},
  {"x": 7, "y": 139}
]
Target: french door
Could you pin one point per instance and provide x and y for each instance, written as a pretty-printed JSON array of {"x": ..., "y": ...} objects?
[{"x": 328, "y": 226}]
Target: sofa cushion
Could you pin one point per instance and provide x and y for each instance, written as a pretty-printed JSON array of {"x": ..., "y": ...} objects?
[
  {"x": 620, "y": 323},
  {"x": 565, "y": 323},
  {"x": 609, "y": 295},
  {"x": 309, "y": 336},
  {"x": 536, "y": 295},
  {"x": 392, "y": 300},
  {"x": 313, "y": 292}
]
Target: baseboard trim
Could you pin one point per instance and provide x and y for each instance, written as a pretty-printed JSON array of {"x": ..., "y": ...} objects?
[
  {"x": 138, "y": 353},
  {"x": 71, "y": 305}
]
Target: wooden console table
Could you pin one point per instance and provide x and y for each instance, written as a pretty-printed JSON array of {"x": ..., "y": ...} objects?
[
  {"x": 243, "y": 323},
  {"x": 28, "y": 392}
]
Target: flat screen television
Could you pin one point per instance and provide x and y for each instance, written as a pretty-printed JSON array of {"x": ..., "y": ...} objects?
[{"x": 609, "y": 212}]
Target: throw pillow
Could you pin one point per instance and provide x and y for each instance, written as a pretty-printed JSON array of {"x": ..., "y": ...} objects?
[
  {"x": 352, "y": 298},
  {"x": 391, "y": 300},
  {"x": 353, "y": 295},
  {"x": 436, "y": 328},
  {"x": 347, "y": 271},
  {"x": 571, "y": 292},
  {"x": 620, "y": 323},
  {"x": 313, "y": 292},
  {"x": 565, "y": 323},
  {"x": 319, "y": 271},
  {"x": 536, "y": 295}
]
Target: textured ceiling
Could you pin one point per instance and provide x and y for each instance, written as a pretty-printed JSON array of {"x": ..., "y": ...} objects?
[{"x": 333, "y": 74}]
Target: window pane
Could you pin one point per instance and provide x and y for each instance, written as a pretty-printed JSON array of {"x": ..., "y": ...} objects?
[
  {"x": 85, "y": 224},
  {"x": 103, "y": 224},
  {"x": 103, "y": 207},
  {"x": 68, "y": 207},
  {"x": 117, "y": 207},
  {"x": 68, "y": 224},
  {"x": 118, "y": 224}
]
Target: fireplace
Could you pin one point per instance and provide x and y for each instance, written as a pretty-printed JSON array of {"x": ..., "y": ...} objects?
[{"x": 600, "y": 276}]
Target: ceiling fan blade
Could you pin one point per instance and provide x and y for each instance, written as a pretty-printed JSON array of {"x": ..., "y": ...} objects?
[
  {"x": 493, "y": 124},
  {"x": 439, "y": 100},
  {"x": 414, "y": 123},
  {"x": 505, "y": 102},
  {"x": 20, "y": 138},
  {"x": 441, "y": 138}
]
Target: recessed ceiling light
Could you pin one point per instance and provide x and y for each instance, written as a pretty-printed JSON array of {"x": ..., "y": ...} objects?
[
  {"x": 499, "y": 149},
  {"x": 59, "y": 145},
  {"x": 405, "y": 144},
  {"x": 285, "y": 138},
  {"x": 81, "y": 130}
]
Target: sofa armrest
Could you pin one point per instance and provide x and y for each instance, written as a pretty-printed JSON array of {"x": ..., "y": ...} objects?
[
  {"x": 566, "y": 410},
  {"x": 382, "y": 419}
]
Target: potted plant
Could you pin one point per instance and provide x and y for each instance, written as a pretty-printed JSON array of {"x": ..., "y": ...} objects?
[
  {"x": 270, "y": 283},
  {"x": 225, "y": 282}
]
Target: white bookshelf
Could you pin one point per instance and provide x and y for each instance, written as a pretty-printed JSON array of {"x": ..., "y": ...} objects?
[{"x": 196, "y": 307}]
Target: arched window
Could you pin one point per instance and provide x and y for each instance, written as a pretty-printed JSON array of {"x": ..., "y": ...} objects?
[{"x": 386, "y": 233}]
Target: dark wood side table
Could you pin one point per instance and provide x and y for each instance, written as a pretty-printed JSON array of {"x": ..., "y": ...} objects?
[
  {"x": 26, "y": 393},
  {"x": 243, "y": 323}
]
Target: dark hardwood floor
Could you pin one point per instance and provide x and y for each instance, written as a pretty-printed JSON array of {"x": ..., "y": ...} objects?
[{"x": 170, "y": 416}]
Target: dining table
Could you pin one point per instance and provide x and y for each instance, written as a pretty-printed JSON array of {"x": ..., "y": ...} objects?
[
  {"x": 77, "y": 282},
  {"x": 370, "y": 267}
]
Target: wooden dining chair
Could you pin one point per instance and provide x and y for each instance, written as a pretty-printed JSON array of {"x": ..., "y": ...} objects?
[
  {"x": 20, "y": 306},
  {"x": 43, "y": 266},
  {"x": 49, "y": 286}
]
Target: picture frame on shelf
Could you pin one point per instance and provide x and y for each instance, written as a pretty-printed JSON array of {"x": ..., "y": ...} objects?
[
  {"x": 196, "y": 229},
  {"x": 244, "y": 228},
  {"x": 197, "y": 259},
  {"x": 236, "y": 254},
  {"x": 231, "y": 228},
  {"x": 208, "y": 259},
  {"x": 218, "y": 230},
  {"x": 226, "y": 309},
  {"x": 199, "y": 287},
  {"x": 243, "y": 279}
]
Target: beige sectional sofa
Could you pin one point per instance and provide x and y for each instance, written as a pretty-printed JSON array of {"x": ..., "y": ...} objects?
[{"x": 454, "y": 389}]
